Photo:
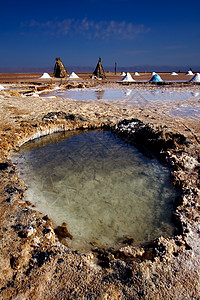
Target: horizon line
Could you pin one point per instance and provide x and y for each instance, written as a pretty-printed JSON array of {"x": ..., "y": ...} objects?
[{"x": 88, "y": 69}]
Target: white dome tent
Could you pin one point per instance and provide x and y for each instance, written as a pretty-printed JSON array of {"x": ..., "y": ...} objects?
[
  {"x": 136, "y": 74},
  {"x": 45, "y": 76},
  {"x": 195, "y": 78},
  {"x": 128, "y": 78},
  {"x": 123, "y": 74},
  {"x": 189, "y": 73},
  {"x": 73, "y": 76},
  {"x": 156, "y": 78},
  {"x": 173, "y": 73}
]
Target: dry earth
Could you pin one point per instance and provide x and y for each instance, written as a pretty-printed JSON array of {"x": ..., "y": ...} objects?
[{"x": 34, "y": 264}]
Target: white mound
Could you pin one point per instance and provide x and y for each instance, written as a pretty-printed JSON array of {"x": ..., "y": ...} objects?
[
  {"x": 173, "y": 73},
  {"x": 45, "y": 76},
  {"x": 128, "y": 78},
  {"x": 153, "y": 73},
  {"x": 196, "y": 78},
  {"x": 1, "y": 87},
  {"x": 122, "y": 74},
  {"x": 136, "y": 74},
  {"x": 156, "y": 78},
  {"x": 73, "y": 75},
  {"x": 189, "y": 73}
]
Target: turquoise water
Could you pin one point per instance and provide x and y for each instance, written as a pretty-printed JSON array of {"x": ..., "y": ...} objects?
[{"x": 104, "y": 189}]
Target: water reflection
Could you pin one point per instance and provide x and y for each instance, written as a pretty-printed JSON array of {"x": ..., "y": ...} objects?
[
  {"x": 99, "y": 94},
  {"x": 128, "y": 92},
  {"x": 124, "y": 94}
]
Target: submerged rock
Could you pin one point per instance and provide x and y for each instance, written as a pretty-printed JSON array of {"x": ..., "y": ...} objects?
[{"x": 62, "y": 232}]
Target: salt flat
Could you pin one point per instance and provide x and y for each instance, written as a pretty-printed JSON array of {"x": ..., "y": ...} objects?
[{"x": 34, "y": 262}]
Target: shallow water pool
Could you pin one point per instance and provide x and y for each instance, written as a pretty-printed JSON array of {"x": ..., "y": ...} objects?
[
  {"x": 125, "y": 94},
  {"x": 187, "y": 111},
  {"x": 104, "y": 189}
]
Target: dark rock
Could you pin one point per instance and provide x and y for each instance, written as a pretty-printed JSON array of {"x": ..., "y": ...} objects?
[
  {"x": 17, "y": 227},
  {"x": 12, "y": 189},
  {"x": 70, "y": 117},
  {"x": 60, "y": 260},
  {"x": 23, "y": 234},
  {"x": 62, "y": 232},
  {"x": 40, "y": 257},
  {"x": 128, "y": 240},
  {"x": 4, "y": 166},
  {"x": 10, "y": 284},
  {"x": 46, "y": 218},
  {"x": 46, "y": 230}
]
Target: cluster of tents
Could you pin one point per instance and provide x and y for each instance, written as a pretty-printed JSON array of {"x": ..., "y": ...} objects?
[
  {"x": 71, "y": 76},
  {"x": 61, "y": 72},
  {"x": 156, "y": 78}
]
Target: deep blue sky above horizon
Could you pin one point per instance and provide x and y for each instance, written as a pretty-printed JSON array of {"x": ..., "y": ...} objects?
[{"x": 129, "y": 32}]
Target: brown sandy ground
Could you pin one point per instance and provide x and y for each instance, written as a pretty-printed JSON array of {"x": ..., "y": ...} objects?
[
  {"x": 110, "y": 77},
  {"x": 34, "y": 264}
]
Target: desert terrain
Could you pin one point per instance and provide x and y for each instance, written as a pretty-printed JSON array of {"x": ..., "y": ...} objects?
[{"x": 35, "y": 263}]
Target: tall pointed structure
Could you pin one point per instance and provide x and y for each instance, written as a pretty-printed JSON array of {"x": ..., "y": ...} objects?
[
  {"x": 99, "y": 71},
  {"x": 59, "y": 69}
]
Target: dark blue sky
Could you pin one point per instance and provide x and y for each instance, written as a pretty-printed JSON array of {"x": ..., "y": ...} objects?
[{"x": 129, "y": 32}]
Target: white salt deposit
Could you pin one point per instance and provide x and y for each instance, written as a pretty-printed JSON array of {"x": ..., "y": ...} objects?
[
  {"x": 73, "y": 75},
  {"x": 196, "y": 78},
  {"x": 173, "y": 73},
  {"x": 136, "y": 74},
  {"x": 189, "y": 73},
  {"x": 128, "y": 78},
  {"x": 1, "y": 87},
  {"x": 45, "y": 76}
]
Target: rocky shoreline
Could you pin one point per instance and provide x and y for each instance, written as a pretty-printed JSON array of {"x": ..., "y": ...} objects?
[{"x": 36, "y": 265}]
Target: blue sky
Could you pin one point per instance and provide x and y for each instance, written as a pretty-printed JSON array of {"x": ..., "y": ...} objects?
[{"x": 129, "y": 32}]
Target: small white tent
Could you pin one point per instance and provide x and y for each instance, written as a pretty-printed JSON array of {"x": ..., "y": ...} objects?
[
  {"x": 45, "y": 76},
  {"x": 123, "y": 74},
  {"x": 127, "y": 78},
  {"x": 156, "y": 78},
  {"x": 153, "y": 73},
  {"x": 173, "y": 73},
  {"x": 136, "y": 74},
  {"x": 196, "y": 78},
  {"x": 1, "y": 87},
  {"x": 73, "y": 76},
  {"x": 189, "y": 73}
]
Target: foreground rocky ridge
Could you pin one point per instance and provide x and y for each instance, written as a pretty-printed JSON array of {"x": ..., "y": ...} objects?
[{"x": 35, "y": 265}]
